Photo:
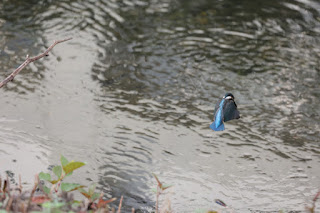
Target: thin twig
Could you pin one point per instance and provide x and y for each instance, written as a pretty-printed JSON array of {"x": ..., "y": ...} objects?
[
  {"x": 20, "y": 185},
  {"x": 28, "y": 61},
  {"x": 33, "y": 190},
  {"x": 3, "y": 190},
  {"x": 120, "y": 204},
  {"x": 7, "y": 184},
  {"x": 53, "y": 187},
  {"x": 316, "y": 196},
  {"x": 157, "y": 200},
  {"x": 312, "y": 209},
  {"x": 22, "y": 208},
  {"x": 9, "y": 204}
]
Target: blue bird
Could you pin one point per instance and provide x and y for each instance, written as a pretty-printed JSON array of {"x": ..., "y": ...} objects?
[{"x": 225, "y": 110}]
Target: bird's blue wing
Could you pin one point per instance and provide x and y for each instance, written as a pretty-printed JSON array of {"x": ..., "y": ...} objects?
[
  {"x": 217, "y": 124},
  {"x": 230, "y": 111},
  {"x": 216, "y": 108}
]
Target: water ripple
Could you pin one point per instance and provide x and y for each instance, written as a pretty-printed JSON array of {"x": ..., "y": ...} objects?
[{"x": 151, "y": 72}]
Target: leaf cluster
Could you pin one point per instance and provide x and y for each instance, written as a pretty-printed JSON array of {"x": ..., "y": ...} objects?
[
  {"x": 61, "y": 171},
  {"x": 58, "y": 188}
]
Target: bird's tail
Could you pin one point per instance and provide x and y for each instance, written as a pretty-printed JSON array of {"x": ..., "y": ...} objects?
[{"x": 219, "y": 128}]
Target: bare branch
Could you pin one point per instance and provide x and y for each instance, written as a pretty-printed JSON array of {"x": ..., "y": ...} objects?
[
  {"x": 9, "y": 204},
  {"x": 28, "y": 61},
  {"x": 120, "y": 204},
  {"x": 20, "y": 185},
  {"x": 36, "y": 183}
]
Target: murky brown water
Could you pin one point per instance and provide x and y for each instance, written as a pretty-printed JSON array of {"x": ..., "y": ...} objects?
[{"x": 134, "y": 91}]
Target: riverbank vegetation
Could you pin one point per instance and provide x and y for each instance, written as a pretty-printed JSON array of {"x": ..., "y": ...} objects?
[{"x": 51, "y": 193}]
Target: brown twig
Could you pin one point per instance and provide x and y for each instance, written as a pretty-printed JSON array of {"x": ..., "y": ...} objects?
[
  {"x": 312, "y": 209},
  {"x": 316, "y": 196},
  {"x": 7, "y": 186},
  {"x": 28, "y": 61},
  {"x": 20, "y": 185},
  {"x": 159, "y": 187},
  {"x": 120, "y": 204},
  {"x": 32, "y": 192},
  {"x": 22, "y": 208},
  {"x": 9, "y": 204},
  {"x": 3, "y": 190},
  {"x": 157, "y": 200}
]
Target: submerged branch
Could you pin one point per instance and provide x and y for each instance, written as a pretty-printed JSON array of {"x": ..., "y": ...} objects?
[{"x": 30, "y": 60}]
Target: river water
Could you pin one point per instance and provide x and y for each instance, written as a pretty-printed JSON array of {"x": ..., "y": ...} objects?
[{"x": 133, "y": 93}]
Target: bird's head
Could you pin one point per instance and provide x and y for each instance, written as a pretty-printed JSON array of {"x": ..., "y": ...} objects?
[{"x": 228, "y": 96}]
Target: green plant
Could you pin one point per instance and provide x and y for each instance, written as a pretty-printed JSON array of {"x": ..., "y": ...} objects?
[
  {"x": 160, "y": 188},
  {"x": 66, "y": 169},
  {"x": 53, "y": 202},
  {"x": 53, "y": 206},
  {"x": 312, "y": 209}
]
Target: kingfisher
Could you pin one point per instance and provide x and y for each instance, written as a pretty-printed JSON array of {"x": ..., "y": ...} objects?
[{"x": 225, "y": 110}]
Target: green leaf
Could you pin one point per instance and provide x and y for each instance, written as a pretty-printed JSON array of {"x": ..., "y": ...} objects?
[
  {"x": 54, "y": 181},
  {"x": 95, "y": 196},
  {"x": 82, "y": 190},
  {"x": 72, "y": 166},
  {"x": 63, "y": 160},
  {"x": 76, "y": 204},
  {"x": 201, "y": 211},
  {"x": 53, "y": 204},
  {"x": 57, "y": 170},
  {"x": 68, "y": 174},
  {"x": 45, "y": 176},
  {"x": 91, "y": 189},
  {"x": 67, "y": 187},
  {"x": 84, "y": 193},
  {"x": 157, "y": 179},
  {"x": 46, "y": 189},
  {"x": 165, "y": 186}
]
